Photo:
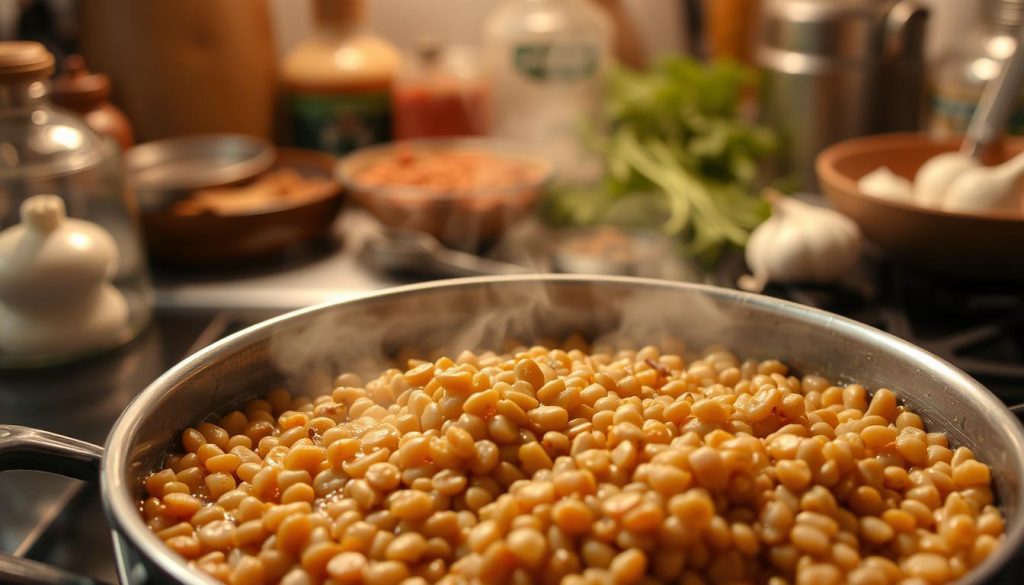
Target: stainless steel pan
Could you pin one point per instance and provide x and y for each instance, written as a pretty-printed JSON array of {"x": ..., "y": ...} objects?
[{"x": 304, "y": 345}]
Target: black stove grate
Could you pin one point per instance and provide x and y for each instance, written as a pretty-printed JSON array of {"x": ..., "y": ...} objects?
[{"x": 975, "y": 326}]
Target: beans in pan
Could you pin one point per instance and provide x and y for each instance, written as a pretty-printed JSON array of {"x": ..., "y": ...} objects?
[{"x": 552, "y": 466}]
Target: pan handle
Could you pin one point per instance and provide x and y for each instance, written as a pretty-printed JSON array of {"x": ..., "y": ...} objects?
[
  {"x": 23, "y": 448},
  {"x": 19, "y": 571}
]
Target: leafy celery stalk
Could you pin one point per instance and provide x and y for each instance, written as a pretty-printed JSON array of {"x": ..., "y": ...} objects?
[{"x": 676, "y": 140}]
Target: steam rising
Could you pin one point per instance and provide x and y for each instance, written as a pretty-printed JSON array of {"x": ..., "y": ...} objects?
[{"x": 365, "y": 338}]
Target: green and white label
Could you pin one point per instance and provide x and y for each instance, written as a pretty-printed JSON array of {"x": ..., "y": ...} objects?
[
  {"x": 339, "y": 123},
  {"x": 557, "y": 62}
]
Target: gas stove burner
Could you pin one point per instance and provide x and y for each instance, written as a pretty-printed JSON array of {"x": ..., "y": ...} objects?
[
  {"x": 978, "y": 328},
  {"x": 971, "y": 348}
]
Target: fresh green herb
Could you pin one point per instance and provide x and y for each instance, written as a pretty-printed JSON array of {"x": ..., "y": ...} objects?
[{"x": 677, "y": 156}]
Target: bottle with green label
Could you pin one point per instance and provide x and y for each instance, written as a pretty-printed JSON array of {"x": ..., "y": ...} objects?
[
  {"x": 547, "y": 60},
  {"x": 337, "y": 82}
]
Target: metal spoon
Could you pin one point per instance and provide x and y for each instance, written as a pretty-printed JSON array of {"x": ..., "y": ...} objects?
[
  {"x": 402, "y": 250},
  {"x": 935, "y": 176},
  {"x": 997, "y": 102}
]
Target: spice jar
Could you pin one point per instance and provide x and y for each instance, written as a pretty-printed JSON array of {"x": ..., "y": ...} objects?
[
  {"x": 46, "y": 151},
  {"x": 439, "y": 91},
  {"x": 87, "y": 94}
]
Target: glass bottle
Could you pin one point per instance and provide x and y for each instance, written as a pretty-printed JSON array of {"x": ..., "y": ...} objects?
[
  {"x": 975, "y": 59},
  {"x": 547, "y": 60},
  {"x": 338, "y": 82},
  {"x": 46, "y": 150}
]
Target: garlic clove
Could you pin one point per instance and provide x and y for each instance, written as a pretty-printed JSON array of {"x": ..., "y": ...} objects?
[
  {"x": 933, "y": 179},
  {"x": 885, "y": 184}
]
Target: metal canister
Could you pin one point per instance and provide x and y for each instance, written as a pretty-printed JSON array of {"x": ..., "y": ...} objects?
[{"x": 834, "y": 69}]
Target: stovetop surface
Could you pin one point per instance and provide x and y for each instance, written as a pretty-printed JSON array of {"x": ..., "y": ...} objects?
[{"x": 59, "y": 521}]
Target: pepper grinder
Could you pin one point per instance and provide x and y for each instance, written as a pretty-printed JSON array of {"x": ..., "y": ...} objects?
[{"x": 56, "y": 296}]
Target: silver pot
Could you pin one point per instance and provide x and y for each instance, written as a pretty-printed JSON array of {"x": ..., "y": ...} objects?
[{"x": 483, "y": 312}]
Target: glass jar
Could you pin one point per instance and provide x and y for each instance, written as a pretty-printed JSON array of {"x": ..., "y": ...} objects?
[
  {"x": 439, "y": 92},
  {"x": 44, "y": 150},
  {"x": 975, "y": 59}
]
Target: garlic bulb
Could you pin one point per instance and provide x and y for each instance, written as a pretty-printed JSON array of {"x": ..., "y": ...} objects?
[
  {"x": 885, "y": 184},
  {"x": 800, "y": 243}
]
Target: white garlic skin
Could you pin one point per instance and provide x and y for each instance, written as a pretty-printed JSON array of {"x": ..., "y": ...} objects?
[
  {"x": 933, "y": 179},
  {"x": 885, "y": 184},
  {"x": 986, "y": 188},
  {"x": 801, "y": 243}
]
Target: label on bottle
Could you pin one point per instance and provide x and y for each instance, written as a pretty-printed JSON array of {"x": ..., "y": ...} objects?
[
  {"x": 557, "y": 62},
  {"x": 339, "y": 123},
  {"x": 952, "y": 112}
]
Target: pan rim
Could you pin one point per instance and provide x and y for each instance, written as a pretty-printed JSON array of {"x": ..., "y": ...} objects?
[{"x": 121, "y": 506}]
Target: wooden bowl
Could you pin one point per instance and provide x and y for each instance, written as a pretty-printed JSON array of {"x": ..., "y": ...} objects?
[
  {"x": 989, "y": 246},
  {"x": 209, "y": 239}
]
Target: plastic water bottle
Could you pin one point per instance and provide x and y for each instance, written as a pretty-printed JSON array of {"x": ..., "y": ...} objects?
[{"x": 547, "y": 60}]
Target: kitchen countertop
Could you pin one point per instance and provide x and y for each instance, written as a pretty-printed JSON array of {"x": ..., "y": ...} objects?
[
  {"x": 317, "y": 273},
  {"x": 81, "y": 400}
]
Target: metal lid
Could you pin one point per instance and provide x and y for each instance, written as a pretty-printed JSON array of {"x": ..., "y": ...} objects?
[
  {"x": 832, "y": 30},
  {"x": 343, "y": 12},
  {"x": 22, "y": 61},
  {"x": 163, "y": 170},
  {"x": 1006, "y": 15}
]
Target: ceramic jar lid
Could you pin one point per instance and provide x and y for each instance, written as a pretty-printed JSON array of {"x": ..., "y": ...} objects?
[{"x": 49, "y": 257}]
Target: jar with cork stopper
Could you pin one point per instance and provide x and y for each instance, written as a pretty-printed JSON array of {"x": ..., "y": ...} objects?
[
  {"x": 337, "y": 83},
  {"x": 88, "y": 94},
  {"x": 73, "y": 274}
]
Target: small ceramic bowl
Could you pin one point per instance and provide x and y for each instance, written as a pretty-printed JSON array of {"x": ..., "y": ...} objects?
[
  {"x": 464, "y": 220},
  {"x": 989, "y": 246},
  {"x": 220, "y": 239}
]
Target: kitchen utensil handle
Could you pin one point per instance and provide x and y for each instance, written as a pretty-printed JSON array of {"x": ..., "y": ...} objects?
[
  {"x": 1018, "y": 411},
  {"x": 19, "y": 571},
  {"x": 903, "y": 26},
  {"x": 23, "y": 448},
  {"x": 996, "y": 104},
  {"x": 901, "y": 70},
  {"x": 459, "y": 263}
]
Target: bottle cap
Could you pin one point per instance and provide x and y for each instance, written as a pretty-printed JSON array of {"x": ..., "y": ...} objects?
[
  {"x": 79, "y": 87},
  {"x": 344, "y": 12}
]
